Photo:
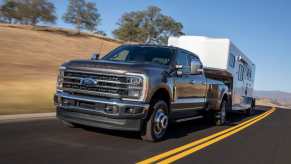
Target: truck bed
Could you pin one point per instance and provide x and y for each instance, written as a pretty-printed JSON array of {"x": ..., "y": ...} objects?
[{"x": 219, "y": 74}]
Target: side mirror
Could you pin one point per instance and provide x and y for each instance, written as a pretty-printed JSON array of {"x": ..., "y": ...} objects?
[
  {"x": 95, "y": 57},
  {"x": 179, "y": 70},
  {"x": 196, "y": 67}
]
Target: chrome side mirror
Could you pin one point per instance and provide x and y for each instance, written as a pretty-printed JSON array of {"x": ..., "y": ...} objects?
[
  {"x": 179, "y": 70},
  {"x": 95, "y": 56},
  {"x": 196, "y": 67}
]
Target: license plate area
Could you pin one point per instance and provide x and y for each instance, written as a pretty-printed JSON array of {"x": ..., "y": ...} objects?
[{"x": 82, "y": 104}]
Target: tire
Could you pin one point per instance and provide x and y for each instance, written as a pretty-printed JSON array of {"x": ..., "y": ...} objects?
[
  {"x": 157, "y": 124},
  {"x": 69, "y": 124},
  {"x": 251, "y": 110},
  {"x": 220, "y": 117}
]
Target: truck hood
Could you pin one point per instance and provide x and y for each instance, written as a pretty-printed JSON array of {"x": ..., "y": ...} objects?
[{"x": 110, "y": 65}]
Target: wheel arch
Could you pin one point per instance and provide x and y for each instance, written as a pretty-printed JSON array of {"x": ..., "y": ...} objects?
[
  {"x": 226, "y": 96},
  {"x": 162, "y": 89},
  {"x": 160, "y": 93},
  {"x": 218, "y": 93}
]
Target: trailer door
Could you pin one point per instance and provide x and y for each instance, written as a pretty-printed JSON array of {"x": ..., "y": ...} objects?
[
  {"x": 242, "y": 88},
  {"x": 238, "y": 88}
]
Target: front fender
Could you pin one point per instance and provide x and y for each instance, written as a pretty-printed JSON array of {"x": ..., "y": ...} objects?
[{"x": 163, "y": 86}]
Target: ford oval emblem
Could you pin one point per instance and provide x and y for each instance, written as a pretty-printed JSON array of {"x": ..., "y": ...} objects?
[{"x": 88, "y": 82}]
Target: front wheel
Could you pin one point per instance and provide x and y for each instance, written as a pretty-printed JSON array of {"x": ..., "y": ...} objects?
[{"x": 157, "y": 124}]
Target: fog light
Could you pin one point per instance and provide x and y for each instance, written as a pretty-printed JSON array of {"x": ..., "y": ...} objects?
[
  {"x": 133, "y": 110},
  {"x": 130, "y": 110},
  {"x": 68, "y": 102},
  {"x": 111, "y": 109}
]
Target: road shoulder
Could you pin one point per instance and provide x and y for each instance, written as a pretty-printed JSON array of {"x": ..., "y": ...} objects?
[{"x": 25, "y": 117}]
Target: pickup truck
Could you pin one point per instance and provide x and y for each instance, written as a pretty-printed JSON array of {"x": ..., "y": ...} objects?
[{"x": 141, "y": 88}]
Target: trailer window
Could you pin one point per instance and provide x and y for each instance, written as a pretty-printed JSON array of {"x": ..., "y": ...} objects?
[
  {"x": 231, "y": 60},
  {"x": 241, "y": 73},
  {"x": 249, "y": 74}
]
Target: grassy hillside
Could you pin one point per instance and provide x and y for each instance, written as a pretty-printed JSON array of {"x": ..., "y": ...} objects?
[{"x": 29, "y": 60}]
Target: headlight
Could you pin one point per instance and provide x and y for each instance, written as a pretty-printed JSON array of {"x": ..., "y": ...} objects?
[{"x": 136, "y": 87}]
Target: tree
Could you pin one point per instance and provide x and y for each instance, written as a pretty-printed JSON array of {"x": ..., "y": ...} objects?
[
  {"x": 84, "y": 15},
  {"x": 40, "y": 11},
  {"x": 147, "y": 26},
  {"x": 28, "y": 11},
  {"x": 8, "y": 11}
]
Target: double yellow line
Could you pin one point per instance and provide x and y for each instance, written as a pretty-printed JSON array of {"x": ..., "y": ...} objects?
[{"x": 183, "y": 151}]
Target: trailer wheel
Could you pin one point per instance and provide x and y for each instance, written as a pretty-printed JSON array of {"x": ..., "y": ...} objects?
[
  {"x": 250, "y": 111},
  {"x": 157, "y": 124}
]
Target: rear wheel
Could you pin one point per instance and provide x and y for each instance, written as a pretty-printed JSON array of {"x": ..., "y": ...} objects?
[
  {"x": 157, "y": 123},
  {"x": 220, "y": 117}
]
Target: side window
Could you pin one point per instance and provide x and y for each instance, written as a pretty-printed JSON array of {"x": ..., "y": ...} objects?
[
  {"x": 231, "y": 60},
  {"x": 241, "y": 72},
  {"x": 182, "y": 59},
  {"x": 191, "y": 57}
]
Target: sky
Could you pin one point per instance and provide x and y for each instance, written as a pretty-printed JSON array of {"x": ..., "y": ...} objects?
[{"x": 260, "y": 28}]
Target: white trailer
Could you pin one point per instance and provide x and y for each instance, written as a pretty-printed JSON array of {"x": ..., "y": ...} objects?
[{"x": 222, "y": 54}]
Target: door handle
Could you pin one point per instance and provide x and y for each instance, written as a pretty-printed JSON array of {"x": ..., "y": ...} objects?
[{"x": 194, "y": 82}]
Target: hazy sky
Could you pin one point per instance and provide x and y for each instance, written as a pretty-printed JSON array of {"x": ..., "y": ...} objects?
[{"x": 260, "y": 28}]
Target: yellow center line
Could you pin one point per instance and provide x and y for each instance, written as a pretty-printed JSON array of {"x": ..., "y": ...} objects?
[
  {"x": 199, "y": 147},
  {"x": 200, "y": 141}
]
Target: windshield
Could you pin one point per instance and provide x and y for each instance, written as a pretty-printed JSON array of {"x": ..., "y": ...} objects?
[{"x": 141, "y": 54}]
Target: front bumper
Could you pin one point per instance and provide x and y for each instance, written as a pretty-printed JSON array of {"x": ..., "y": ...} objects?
[{"x": 93, "y": 112}]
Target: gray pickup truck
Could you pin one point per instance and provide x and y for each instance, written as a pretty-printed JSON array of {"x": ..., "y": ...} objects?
[{"x": 141, "y": 88}]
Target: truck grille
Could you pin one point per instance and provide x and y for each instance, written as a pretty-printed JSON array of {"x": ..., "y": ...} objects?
[{"x": 106, "y": 85}]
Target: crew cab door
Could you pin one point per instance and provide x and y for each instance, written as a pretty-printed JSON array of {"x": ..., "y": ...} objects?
[{"x": 190, "y": 94}]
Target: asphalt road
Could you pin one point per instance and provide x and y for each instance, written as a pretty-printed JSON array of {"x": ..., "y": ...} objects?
[{"x": 267, "y": 141}]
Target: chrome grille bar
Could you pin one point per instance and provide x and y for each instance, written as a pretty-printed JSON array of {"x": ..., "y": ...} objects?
[
  {"x": 107, "y": 84},
  {"x": 101, "y": 86}
]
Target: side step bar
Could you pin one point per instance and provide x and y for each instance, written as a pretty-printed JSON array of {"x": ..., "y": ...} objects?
[{"x": 188, "y": 119}]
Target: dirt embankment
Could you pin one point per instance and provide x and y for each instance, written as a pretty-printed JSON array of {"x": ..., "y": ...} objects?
[{"x": 29, "y": 60}]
